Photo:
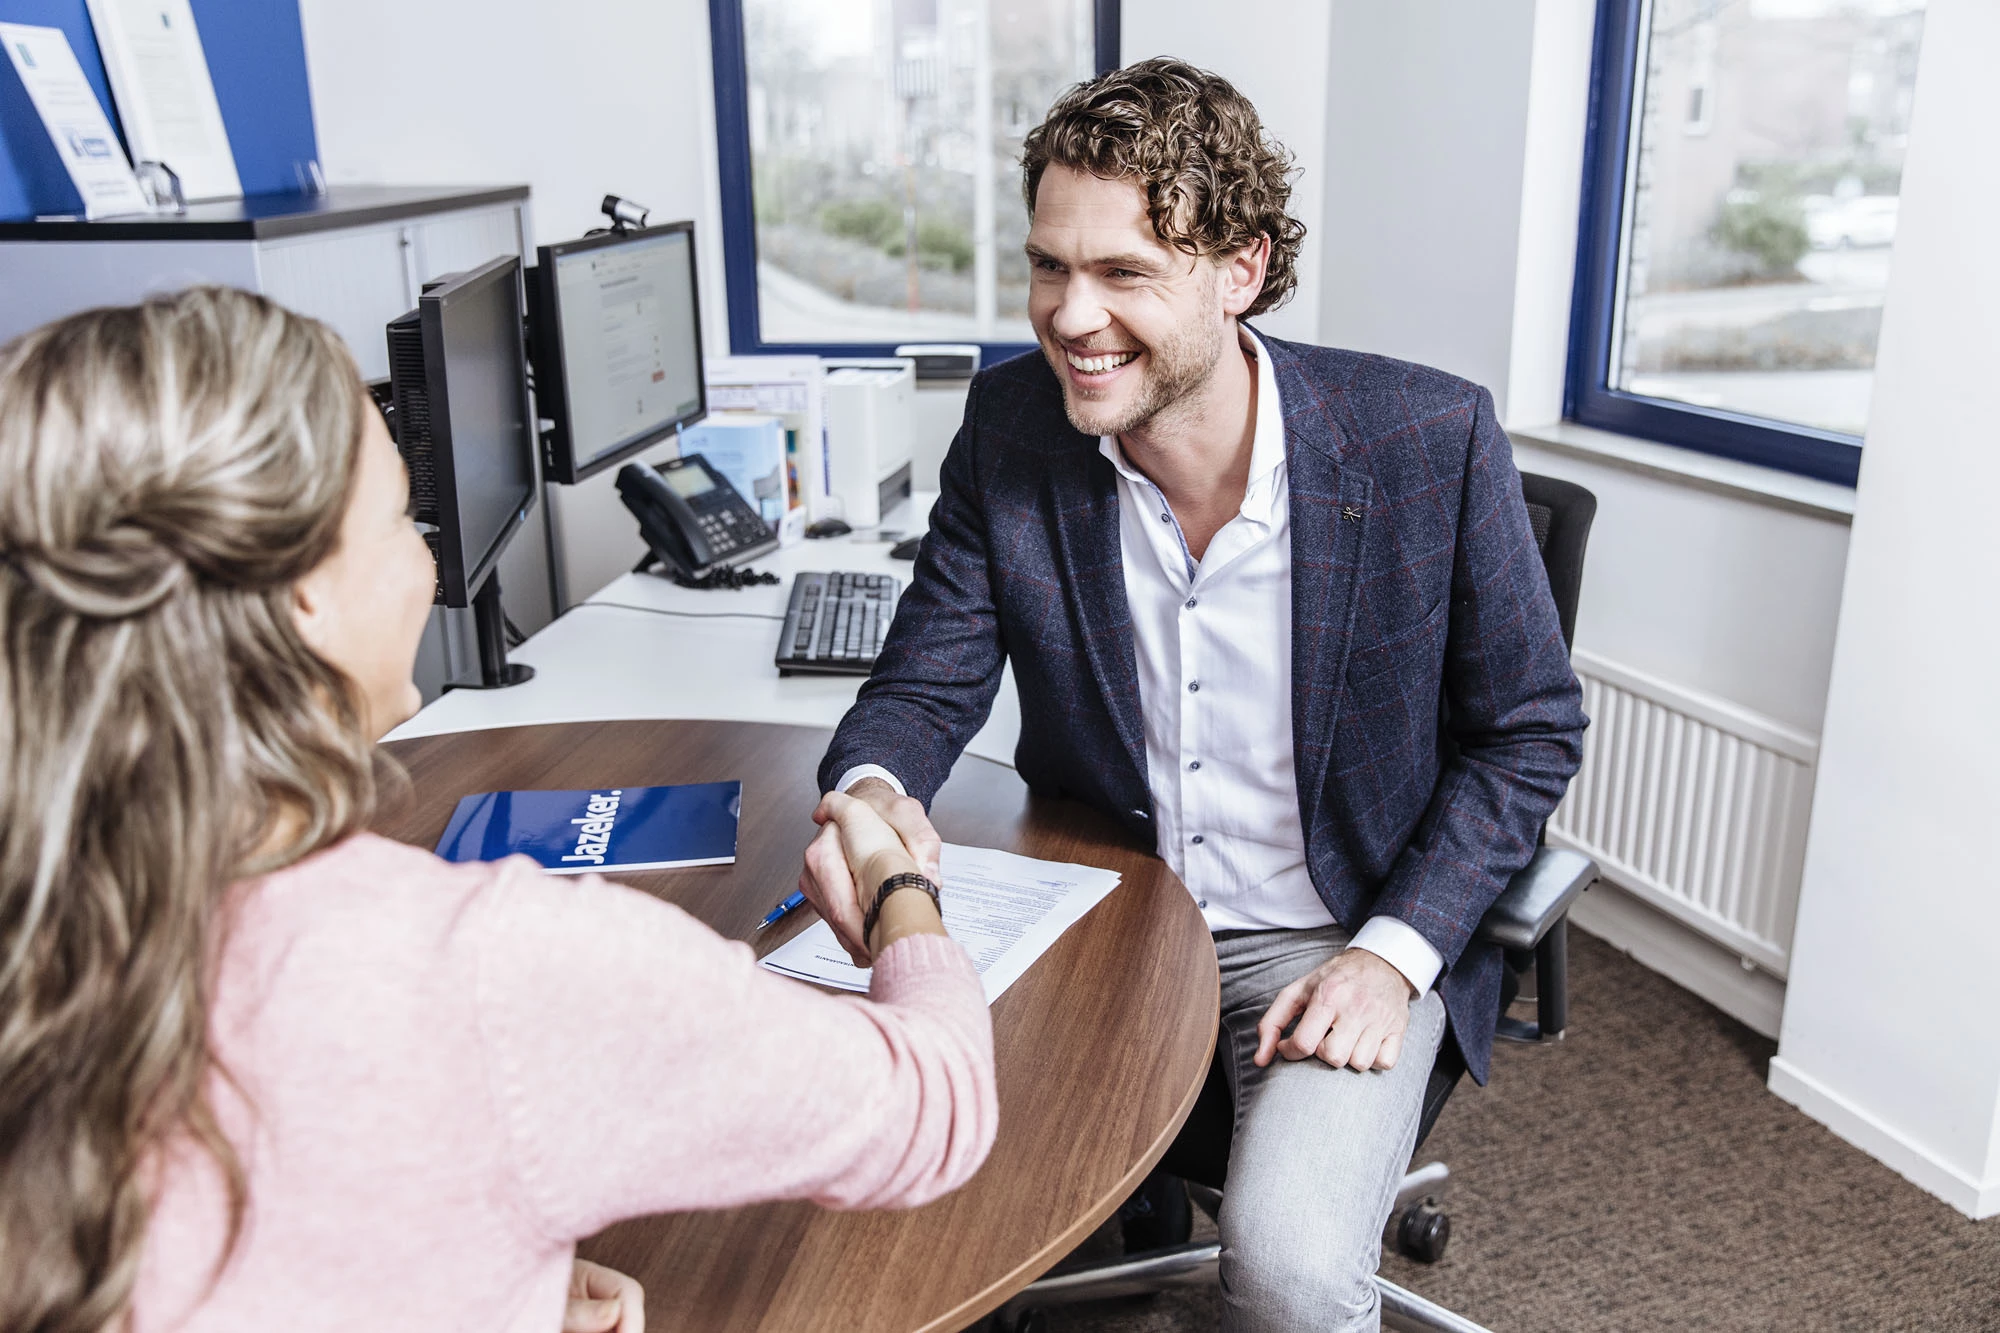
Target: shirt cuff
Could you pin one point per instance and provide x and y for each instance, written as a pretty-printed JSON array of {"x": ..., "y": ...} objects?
[
  {"x": 860, "y": 771},
  {"x": 1397, "y": 943}
]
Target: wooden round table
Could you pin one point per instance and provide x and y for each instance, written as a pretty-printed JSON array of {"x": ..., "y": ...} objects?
[{"x": 1101, "y": 1046}]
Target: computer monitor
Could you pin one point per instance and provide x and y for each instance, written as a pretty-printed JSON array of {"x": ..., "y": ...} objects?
[
  {"x": 617, "y": 340},
  {"x": 458, "y": 371}
]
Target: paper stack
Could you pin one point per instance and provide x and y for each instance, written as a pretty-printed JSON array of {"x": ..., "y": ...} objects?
[{"x": 1005, "y": 909}]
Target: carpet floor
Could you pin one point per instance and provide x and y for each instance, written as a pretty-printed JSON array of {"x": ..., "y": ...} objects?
[{"x": 1637, "y": 1175}]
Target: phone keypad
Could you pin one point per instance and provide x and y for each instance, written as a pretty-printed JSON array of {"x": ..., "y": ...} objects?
[{"x": 731, "y": 527}]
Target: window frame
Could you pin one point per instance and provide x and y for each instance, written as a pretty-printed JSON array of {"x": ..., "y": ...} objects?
[
  {"x": 739, "y": 230},
  {"x": 1588, "y": 398}
]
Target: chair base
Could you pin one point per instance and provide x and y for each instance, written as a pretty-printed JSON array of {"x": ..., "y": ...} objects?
[{"x": 1197, "y": 1264}]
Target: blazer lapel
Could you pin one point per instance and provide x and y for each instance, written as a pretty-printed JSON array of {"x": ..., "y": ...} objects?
[
  {"x": 1329, "y": 518},
  {"x": 1083, "y": 490}
]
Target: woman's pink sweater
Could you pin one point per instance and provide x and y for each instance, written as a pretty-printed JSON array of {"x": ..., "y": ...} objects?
[{"x": 444, "y": 1076}]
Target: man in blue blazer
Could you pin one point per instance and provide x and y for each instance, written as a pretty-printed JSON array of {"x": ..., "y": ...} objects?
[{"x": 1276, "y": 608}]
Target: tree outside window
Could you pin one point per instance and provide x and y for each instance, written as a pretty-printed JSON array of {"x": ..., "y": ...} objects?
[
  {"x": 1765, "y": 158},
  {"x": 885, "y": 140}
]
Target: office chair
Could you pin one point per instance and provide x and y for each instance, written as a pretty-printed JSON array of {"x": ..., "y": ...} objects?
[{"x": 1528, "y": 921}]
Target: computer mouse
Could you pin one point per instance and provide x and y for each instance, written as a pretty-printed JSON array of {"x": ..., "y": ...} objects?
[
  {"x": 828, "y": 527},
  {"x": 907, "y": 548}
]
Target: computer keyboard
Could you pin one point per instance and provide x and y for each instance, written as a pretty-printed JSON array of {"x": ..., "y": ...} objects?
[{"x": 836, "y": 622}]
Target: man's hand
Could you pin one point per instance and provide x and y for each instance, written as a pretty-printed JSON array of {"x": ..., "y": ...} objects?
[
  {"x": 829, "y": 880},
  {"x": 1352, "y": 1010},
  {"x": 603, "y": 1300}
]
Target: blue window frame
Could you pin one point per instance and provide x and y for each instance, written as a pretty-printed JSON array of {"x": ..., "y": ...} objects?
[
  {"x": 1736, "y": 225},
  {"x": 861, "y": 223}
]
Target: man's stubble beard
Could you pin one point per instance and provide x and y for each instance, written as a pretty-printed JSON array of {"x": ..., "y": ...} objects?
[{"x": 1178, "y": 368}]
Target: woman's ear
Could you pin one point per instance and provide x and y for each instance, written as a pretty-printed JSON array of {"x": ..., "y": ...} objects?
[{"x": 313, "y": 609}]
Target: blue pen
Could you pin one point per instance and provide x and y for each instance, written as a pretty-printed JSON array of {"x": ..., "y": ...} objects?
[{"x": 777, "y": 913}]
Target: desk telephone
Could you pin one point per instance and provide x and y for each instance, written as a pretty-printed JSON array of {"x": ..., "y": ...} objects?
[{"x": 693, "y": 520}]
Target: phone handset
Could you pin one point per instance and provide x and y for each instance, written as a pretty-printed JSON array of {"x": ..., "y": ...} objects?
[{"x": 667, "y": 521}]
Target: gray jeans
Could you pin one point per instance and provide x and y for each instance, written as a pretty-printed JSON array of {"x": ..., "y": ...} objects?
[{"x": 1317, "y": 1154}]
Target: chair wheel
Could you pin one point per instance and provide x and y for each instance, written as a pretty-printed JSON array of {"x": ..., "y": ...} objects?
[{"x": 1422, "y": 1232}]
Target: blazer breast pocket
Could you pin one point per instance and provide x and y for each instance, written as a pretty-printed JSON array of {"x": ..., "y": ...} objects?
[{"x": 1406, "y": 647}]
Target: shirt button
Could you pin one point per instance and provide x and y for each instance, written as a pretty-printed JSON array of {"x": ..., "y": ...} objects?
[
  {"x": 1194, "y": 765},
  {"x": 1196, "y": 840},
  {"x": 1202, "y": 903},
  {"x": 1166, "y": 517},
  {"x": 1194, "y": 687},
  {"x": 1191, "y": 601}
]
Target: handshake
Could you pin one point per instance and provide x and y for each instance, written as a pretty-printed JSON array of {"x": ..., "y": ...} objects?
[{"x": 868, "y": 834}]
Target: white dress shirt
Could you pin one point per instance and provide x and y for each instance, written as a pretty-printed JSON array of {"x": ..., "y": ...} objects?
[{"x": 1213, "y": 641}]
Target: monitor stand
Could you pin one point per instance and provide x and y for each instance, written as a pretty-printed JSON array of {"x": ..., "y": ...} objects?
[{"x": 490, "y": 624}]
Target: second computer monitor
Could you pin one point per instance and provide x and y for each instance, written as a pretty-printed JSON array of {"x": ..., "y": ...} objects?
[
  {"x": 462, "y": 420},
  {"x": 617, "y": 345}
]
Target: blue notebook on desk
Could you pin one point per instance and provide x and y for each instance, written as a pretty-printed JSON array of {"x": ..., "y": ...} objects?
[{"x": 608, "y": 830}]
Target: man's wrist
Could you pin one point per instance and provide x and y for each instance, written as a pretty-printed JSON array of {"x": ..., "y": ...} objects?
[
  {"x": 1398, "y": 944},
  {"x": 1408, "y": 986},
  {"x": 861, "y": 773}
]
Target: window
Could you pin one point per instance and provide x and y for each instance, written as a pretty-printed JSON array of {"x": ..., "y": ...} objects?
[
  {"x": 1740, "y": 208},
  {"x": 870, "y": 157}
]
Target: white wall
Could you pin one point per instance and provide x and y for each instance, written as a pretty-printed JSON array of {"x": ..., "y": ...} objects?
[
  {"x": 1889, "y": 1033},
  {"x": 1274, "y": 52},
  {"x": 577, "y": 99},
  {"x": 1723, "y": 594},
  {"x": 1426, "y": 110},
  {"x": 1454, "y": 157},
  {"x": 1556, "y": 112}
]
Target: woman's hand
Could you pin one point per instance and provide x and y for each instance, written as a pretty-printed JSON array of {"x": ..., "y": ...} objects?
[{"x": 603, "y": 1300}]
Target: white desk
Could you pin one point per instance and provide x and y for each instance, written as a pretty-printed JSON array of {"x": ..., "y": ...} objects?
[{"x": 644, "y": 647}]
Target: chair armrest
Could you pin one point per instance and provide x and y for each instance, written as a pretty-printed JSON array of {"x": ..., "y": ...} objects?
[{"x": 1536, "y": 898}]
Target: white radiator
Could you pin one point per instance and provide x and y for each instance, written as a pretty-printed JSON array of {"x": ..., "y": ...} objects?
[{"x": 1693, "y": 804}]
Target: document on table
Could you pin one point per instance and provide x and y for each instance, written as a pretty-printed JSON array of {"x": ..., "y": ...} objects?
[{"x": 1005, "y": 909}]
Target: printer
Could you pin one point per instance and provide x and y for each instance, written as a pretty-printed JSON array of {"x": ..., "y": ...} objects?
[{"x": 871, "y": 423}]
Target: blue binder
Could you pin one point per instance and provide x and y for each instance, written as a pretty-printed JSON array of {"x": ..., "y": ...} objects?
[
  {"x": 606, "y": 830},
  {"x": 257, "y": 60}
]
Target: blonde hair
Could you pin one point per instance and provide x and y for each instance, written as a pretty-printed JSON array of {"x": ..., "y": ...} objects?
[{"x": 167, "y": 471}]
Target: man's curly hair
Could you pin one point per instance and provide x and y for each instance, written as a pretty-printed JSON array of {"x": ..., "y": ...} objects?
[{"x": 1214, "y": 182}]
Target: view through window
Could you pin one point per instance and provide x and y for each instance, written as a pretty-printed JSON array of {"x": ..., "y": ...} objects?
[
  {"x": 885, "y": 145},
  {"x": 1767, "y": 152}
]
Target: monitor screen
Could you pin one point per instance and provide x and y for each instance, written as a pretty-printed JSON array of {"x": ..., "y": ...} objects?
[
  {"x": 492, "y": 439},
  {"x": 631, "y": 346}
]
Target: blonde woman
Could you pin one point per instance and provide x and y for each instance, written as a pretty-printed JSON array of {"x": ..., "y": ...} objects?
[{"x": 260, "y": 1069}]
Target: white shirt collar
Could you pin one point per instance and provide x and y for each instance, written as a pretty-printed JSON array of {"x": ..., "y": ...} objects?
[{"x": 1267, "y": 440}]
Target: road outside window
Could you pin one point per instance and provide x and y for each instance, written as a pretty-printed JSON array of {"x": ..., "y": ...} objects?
[
  {"x": 885, "y": 141},
  {"x": 1767, "y": 152}
]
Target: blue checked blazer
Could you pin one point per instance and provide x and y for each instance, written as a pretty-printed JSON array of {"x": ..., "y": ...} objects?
[{"x": 1435, "y": 718}]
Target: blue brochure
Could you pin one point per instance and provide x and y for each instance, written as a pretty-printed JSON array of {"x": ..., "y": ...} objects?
[{"x": 608, "y": 830}]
